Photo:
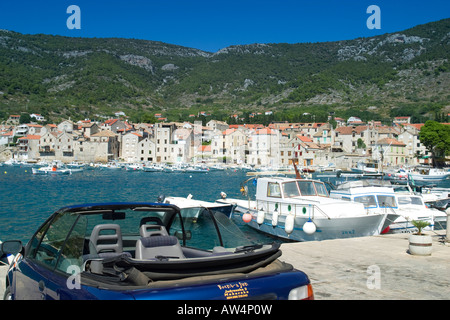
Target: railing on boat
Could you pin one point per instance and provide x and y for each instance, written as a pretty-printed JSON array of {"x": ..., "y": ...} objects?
[{"x": 297, "y": 209}]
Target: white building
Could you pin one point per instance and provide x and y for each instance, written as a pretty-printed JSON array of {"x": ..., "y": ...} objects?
[{"x": 129, "y": 150}]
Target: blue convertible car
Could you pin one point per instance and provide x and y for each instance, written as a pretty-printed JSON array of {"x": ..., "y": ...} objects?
[{"x": 147, "y": 251}]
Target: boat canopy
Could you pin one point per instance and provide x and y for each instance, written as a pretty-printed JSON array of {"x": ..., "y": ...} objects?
[
  {"x": 289, "y": 188},
  {"x": 364, "y": 183}
]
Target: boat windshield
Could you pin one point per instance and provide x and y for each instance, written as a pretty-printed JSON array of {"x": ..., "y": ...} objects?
[
  {"x": 312, "y": 188},
  {"x": 290, "y": 189},
  {"x": 386, "y": 201},
  {"x": 298, "y": 188},
  {"x": 368, "y": 201},
  {"x": 410, "y": 201},
  {"x": 321, "y": 189}
]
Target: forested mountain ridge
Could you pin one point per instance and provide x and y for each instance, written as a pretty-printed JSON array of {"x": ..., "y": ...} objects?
[{"x": 379, "y": 77}]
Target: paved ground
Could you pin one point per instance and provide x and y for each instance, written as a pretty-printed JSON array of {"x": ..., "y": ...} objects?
[
  {"x": 369, "y": 268},
  {"x": 366, "y": 268}
]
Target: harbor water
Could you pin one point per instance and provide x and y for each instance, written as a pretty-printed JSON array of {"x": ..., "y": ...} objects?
[{"x": 27, "y": 199}]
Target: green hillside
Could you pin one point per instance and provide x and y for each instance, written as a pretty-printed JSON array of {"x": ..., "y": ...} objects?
[{"x": 404, "y": 73}]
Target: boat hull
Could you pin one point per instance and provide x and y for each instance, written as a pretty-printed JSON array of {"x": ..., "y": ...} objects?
[
  {"x": 326, "y": 229},
  {"x": 435, "y": 178},
  {"x": 51, "y": 171}
]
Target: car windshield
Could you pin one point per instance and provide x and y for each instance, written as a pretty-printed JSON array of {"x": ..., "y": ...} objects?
[{"x": 201, "y": 228}]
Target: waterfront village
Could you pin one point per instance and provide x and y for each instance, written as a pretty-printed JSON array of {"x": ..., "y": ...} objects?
[{"x": 273, "y": 146}]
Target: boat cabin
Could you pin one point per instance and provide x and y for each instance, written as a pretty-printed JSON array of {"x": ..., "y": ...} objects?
[
  {"x": 372, "y": 194},
  {"x": 283, "y": 188}
]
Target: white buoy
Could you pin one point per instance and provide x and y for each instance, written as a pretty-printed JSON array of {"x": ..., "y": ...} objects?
[
  {"x": 309, "y": 227},
  {"x": 260, "y": 217},
  {"x": 275, "y": 218},
  {"x": 289, "y": 224}
]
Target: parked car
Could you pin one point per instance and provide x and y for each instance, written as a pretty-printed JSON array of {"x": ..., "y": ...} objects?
[{"x": 147, "y": 251}]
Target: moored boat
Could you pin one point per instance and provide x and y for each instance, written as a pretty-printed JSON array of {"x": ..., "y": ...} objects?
[
  {"x": 379, "y": 197},
  {"x": 301, "y": 210},
  {"x": 53, "y": 169},
  {"x": 192, "y": 208},
  {"x": 428, "y": 174}
]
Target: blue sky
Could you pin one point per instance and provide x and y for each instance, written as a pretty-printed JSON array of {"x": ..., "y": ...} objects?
[{"x": 215, "y": 24}]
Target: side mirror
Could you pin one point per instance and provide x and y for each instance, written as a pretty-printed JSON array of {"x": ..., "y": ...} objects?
[{"x": 12, "y": 247}]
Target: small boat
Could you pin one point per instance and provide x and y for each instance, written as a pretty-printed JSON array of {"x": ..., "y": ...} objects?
[
  {"x": 153, "y": 168},
  {"x": 429, "y": 174},
  {"x": 192, "y": 208},
  {"x": 76, "y": 165},
  {"x": 12, "y": 162},
  {"x": 368, "y": 166},
  {"x": 196, "y": 169},
  {"x": 175, "y": 168},
  {"x": 379, "y": 196},
  {"x": 412, "y": 207},
  {"x": 133, "y": 167},
  {"x": 51, "y": 170},
  {"x": 301, "y": 210},
  {"x": 110, "y": 166}
]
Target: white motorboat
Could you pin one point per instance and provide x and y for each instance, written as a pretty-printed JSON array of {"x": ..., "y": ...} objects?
[
  {"x": 192, "y": 208},
  {"x": 153, "y": 168},
  {"x": 133, "y": 167},
  {"x": 368, "y": 166},
  {"x": 412, "y": 207},
  {"x": 301, "y": 210},
  {"x": 428, "y": 174},
  {"x": 110, "y": 166},
  {"x": 53, "y": 169},
  {"x": 378, "y": 196},
  {"x": 196, "y": 169}
]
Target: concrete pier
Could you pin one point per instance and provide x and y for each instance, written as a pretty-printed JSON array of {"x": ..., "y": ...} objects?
[
  {"x": 371, "y": 268},
  {"x": 368, "y": 268}
]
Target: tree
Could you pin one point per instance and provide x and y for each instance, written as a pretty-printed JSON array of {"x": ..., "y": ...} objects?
[
  {"x": 24, "y": 118},
  {"x": 361, "y": 144},
  {"x": 435, "y": 137}
]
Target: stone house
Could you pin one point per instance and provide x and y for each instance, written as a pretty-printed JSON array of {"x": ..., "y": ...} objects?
[
  {"x": 392, "y": 152},
  {"x": 235, "y": 145},
  {"x": 415, "y": 151},
  {"x": 146, "y": 150},
  {"x": 102, "y": 146},
  {"x": 129, "y": 147},
  {"x": 28, "y": 147},
  {"x": 181, "y": 146},
  {"x": 264, "y": 147}
]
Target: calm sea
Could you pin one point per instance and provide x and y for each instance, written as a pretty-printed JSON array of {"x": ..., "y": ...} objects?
[{"x": 26, "y": 200}]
